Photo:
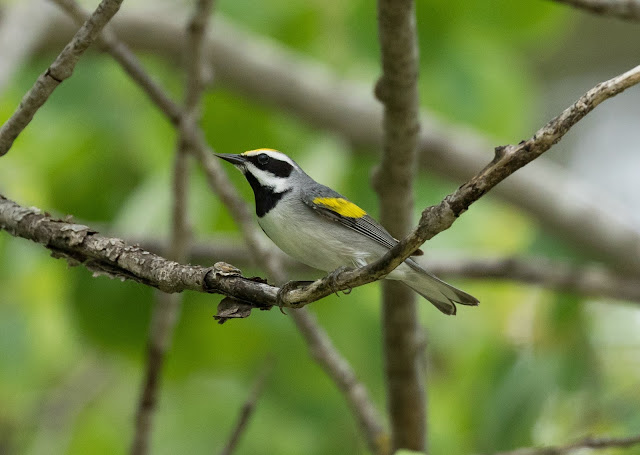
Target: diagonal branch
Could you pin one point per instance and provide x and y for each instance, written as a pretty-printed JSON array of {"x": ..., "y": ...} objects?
[
  {"x": 61, "y": 69},
  {"x": 623, "y": 9},
  {"x": 397, "y": 89},
  {"x": 587, "y": 443}
]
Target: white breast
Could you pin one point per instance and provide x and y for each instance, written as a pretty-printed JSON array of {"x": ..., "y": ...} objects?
[{"x": 312, "y": 239}]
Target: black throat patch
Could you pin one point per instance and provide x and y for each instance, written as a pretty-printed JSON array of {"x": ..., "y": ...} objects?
[{"x": 266, "y": 198}]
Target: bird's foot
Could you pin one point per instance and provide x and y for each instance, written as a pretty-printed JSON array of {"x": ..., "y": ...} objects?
[
  {"x": 284, "y": 289},
  {"x": 333, "y": 280}
]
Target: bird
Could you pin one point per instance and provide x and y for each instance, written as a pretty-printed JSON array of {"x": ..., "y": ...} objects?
[{"x": 323, "y": 229}]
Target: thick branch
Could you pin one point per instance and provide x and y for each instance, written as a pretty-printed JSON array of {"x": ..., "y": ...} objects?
[
  {"x": 61, "y": 69},
  {"x": 587, "y": 443},
  {"x": 623, "y": 9},
  {"x": 264, "y": 71},
  {"x": 397, "y": 89},
  {"x": 80, "y": 245}
]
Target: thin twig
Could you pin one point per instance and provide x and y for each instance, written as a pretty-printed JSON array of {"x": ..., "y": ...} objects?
[
  {"x": 167, "y": 310},
  {"x": 248, "y": 407},
  {"x": 263, "y": 70},
  {"x": 623, "y": 9},
  {"x": 61, "y": 69},
  {"x": 587, "y": 443},
  {"x": 397, "y": 89}
]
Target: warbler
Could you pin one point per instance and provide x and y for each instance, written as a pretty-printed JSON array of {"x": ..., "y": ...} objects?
[{"x": 321, "y": 228}]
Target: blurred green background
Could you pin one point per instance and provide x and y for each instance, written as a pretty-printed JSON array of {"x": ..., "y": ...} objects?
[{"x": 527, "y": 367}]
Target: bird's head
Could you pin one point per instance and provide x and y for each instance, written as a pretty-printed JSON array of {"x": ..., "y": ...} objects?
[{"x": 266, "y": 169}]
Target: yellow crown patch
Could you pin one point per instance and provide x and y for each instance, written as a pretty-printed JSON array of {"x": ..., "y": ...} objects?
[{"x": 340, "y": 206}]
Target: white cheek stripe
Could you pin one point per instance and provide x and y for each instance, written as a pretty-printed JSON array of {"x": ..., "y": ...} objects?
[{"x": 278, "y": 184}]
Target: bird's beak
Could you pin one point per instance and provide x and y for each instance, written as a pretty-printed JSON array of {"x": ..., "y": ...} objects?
[{"x": 236, "y": 160}]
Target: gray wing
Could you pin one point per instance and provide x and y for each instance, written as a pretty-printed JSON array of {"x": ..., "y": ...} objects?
[{"x": 332, "y": 205}]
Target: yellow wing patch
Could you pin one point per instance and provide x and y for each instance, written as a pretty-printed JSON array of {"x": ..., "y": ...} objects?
[
  {"x": 340, "y": 206},
  {"x": 257, "y": 151}
]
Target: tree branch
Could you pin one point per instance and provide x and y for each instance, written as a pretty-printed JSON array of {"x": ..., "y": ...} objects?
[
  {"x": 263, "y": 70},
  {"x": 397, "y": 89},
  {"x": 622, "y": 9},
  {"x": 587, "y": 443},
  {"x": 61, "y": 69}
]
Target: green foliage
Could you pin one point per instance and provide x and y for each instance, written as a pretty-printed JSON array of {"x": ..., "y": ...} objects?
[{"x": 525, "y": 367}]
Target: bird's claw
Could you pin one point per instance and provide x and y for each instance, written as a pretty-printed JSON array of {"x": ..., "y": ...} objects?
[
  {"x": 284, "y": 289},
  {"x": 333, "y": 278}
]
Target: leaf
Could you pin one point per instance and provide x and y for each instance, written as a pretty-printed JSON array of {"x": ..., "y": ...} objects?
[{"x": 230, "y": 308}]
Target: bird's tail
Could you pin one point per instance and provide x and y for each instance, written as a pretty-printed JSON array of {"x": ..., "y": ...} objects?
[{"x": 441, "y": 294}]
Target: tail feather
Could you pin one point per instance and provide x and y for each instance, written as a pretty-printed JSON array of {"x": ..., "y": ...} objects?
[{"x": 442, "y": 295}]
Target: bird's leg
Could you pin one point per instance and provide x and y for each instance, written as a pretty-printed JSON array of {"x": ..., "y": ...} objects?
[{"x": 333, "y": 279}]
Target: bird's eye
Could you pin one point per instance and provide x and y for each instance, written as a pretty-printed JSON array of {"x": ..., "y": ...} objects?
[{"x": 263, "y": 158}]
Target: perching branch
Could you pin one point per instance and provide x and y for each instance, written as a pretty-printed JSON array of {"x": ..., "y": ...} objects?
[
  {"x": 167, "y": 309},
  {"x": 623, "y": 9},
  {"x": 587, "y": 443},
  {"x": 61, "y": 69},
  {"x": 265, "y": 71},
  {"x": 397, "y": 89}
]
